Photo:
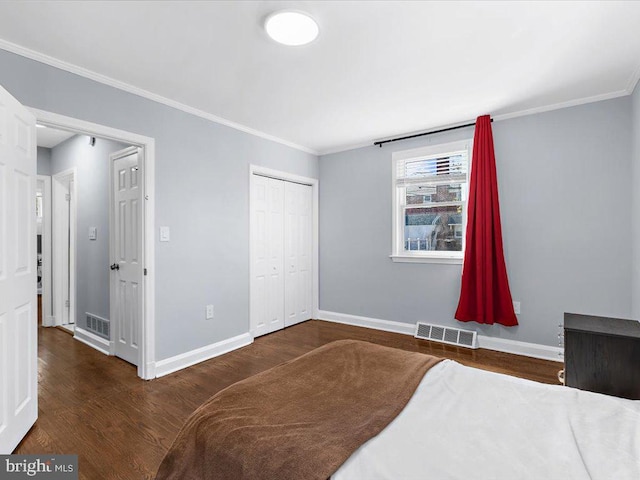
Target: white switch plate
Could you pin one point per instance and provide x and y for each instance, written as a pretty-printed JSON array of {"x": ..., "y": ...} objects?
[
  {"x": 209, "y": 312},
  {"x": 93, "y": 233},
  {"x": 516, "y": 308},
  {"x": 165, "y": 234}
]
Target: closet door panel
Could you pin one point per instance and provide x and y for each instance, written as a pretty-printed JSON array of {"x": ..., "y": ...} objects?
[
  {"x": 298, "y": 248},
  {"x": 275, "y": 277},
  {"x": 267, "y": 247},
  {"x": 259, "y": 259}
]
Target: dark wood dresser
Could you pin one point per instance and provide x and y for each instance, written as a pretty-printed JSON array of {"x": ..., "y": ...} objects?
[{"x": 602, "y": 354}]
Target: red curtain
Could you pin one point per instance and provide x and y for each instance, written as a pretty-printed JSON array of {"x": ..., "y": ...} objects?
[{"x": 485, "y": 296}]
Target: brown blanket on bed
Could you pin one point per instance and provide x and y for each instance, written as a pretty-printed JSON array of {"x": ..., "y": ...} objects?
[{"x": 300, "y": 420}]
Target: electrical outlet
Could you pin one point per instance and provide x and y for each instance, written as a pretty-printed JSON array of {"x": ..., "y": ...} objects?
[
  {"x": 516, "y": 308},
  {"x": 209, "y": 312}
]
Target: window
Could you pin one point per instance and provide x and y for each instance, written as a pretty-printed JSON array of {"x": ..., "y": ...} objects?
[{"x": 430, "y": 200}]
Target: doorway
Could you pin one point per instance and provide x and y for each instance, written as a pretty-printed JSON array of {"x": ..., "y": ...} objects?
[
  {"x": 86, "y": 232},
  {"x": 19, "y": 266},
  {"x": 43, "y": 246},
  {"x": 63, "y": 249}
]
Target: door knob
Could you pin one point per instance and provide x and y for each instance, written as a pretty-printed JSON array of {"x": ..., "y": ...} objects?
[{"x": 115, "y": 266}]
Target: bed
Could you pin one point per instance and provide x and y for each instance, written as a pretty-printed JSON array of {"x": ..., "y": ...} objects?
[{"x": 352, "y": 410}]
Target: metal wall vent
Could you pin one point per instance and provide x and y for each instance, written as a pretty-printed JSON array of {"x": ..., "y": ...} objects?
[
  {"x": 452, "y": 336},
  {"x": 99, "y": 326}
]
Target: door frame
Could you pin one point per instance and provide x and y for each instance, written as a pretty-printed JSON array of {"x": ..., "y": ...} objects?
[
  {"x": 56, "y": 181},
  {"x": 315, "y": 274},
  {"x": 47, "y": 282},
  {"x": 146, "y": 363}
]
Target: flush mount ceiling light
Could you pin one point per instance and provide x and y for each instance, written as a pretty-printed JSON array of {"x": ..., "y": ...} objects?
[{"x": 291, "y": 28}]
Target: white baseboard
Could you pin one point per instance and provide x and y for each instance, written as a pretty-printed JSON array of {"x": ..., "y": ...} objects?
[
  {"x": 184, "y": 360},
  {"x": 535, "y": 350},
  {"x": 49, "y": 321},
  {"x": 375, "y": 323},
  {"x": 94, "y": 341},
  {"x": 150, "y": 371}
]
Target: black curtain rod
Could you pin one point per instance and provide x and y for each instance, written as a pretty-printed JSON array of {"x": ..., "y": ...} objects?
[{"x": 448, "y": 129}]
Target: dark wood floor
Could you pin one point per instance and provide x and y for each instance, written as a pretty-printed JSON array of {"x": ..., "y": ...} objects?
[{"x": 121, "y": 426}]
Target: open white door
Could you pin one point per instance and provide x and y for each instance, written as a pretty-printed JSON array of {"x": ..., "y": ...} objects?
[
  {"x": 18, "y": 307},
  {"x": 126, "y": 250}
]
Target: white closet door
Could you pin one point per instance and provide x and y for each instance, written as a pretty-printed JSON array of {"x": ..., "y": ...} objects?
[
  {"x": 297, "y": 253},
  {"x": 267, "y": 255}
]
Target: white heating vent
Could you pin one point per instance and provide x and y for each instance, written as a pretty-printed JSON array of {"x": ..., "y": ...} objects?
[
  {"x": 453, "y": 336},
  {"x": 98, "y": 325}
]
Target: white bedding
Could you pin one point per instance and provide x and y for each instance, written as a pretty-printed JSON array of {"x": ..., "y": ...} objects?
[{"x": 468, "y": 424}]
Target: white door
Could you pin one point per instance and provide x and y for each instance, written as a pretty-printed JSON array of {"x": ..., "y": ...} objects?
[
  {"x": 126, "y": 266},
  {"x": 18, "y": 307},
  {"x": 267, "y": 255},
  {"x": 281, "y": 254},
  {"x": 298, "y": 252},
  {"x": 64, "y": 235}
]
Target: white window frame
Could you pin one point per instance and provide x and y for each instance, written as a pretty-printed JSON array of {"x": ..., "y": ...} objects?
[{"x": 416, "y": 256}]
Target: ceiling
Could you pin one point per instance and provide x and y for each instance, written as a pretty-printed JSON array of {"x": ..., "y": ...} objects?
[
  {"x": 50, "y": 137},
  {"x": 377, "y": 69}
]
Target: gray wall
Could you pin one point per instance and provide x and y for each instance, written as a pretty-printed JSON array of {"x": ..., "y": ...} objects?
[
  {"x": 202, "y": 193},
  {"x": 44, "y": 161},
  {"x": 92, "y": 195},
  {"x": 635, "y": 204},
  {"x": 564, "y": 181}
]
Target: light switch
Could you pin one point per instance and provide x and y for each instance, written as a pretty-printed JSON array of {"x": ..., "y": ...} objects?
[
  {"x": 93, "y": 233},
  {"x": 165, "y": 234}
]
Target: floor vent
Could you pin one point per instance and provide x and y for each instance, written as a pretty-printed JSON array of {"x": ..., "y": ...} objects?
[
  {"x": 453, "y": 336},
  {"x": 99, "y": 326}
]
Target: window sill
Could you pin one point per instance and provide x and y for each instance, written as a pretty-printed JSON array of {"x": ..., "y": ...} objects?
[{"x": 420, "y": 259}]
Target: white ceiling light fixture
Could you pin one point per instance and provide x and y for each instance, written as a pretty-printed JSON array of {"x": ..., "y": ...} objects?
[{"x": 291, "y": 28}]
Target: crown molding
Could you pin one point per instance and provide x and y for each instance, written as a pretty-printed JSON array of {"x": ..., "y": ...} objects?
[
  {"x": 633, "y": 80},
  {"x": 522, "y": 113},
  {"x": 345, "y": 148},
  {"x": 561, "y": 105},
  {"x": 112, "y": 82},
  {"x": 97, "y": 77}
]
